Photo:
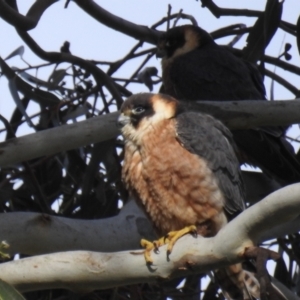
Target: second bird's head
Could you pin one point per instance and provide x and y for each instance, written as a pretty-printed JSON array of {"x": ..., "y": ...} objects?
[{"x": 180, "y": 40}]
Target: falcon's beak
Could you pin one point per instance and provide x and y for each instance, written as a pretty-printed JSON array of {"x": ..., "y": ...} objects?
[
  {"x": 160, "y": 53},
  {"x": 123, "y": 120}
]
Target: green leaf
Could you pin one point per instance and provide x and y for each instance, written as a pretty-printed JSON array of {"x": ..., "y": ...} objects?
[{"x": 8, "y": 292}]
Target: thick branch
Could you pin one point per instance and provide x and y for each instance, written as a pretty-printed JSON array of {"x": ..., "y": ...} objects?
[
  {"x": 58, "y": 139},
  {"x": 250, "y": 114},
  {"x": 87, "y": 271},
  {"x": 138, "y": 32},
  {"x": 13, "y": 17},
  {"x": 236, "y": 115},
  {"x": 46, "y": 234}
]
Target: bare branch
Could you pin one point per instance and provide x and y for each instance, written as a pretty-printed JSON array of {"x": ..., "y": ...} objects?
[
  {"x": 236, "y": 115},
  {"x": 12, "y": 16},
  {"x": 250, "y": 113},
  {"x": 29, "y": 91},
  {"x": 174, "y": 16},
  {"x": 283, "y": 82},
  {"x": 86, "y": 271},
  {"x": 56, "y": 57},
  {"x": 45, "y": 233},
  {"x": 282, "y": 64},
  {"x": 138, "y": 32},
  {"x": 59, "y": 139},
  {"x": 218, "y": 11}
]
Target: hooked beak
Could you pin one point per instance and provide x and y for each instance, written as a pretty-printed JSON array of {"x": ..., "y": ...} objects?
[
  {"x": 160, "y": 53},
  {"x": 123, "y": 120}
]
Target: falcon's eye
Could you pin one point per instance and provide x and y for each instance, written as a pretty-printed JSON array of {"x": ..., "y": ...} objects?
[{"x": 138, "y": 110}]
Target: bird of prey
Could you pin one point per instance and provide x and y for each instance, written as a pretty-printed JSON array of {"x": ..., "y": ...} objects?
[
  {"x": 194, "y": 67},
  {"x": 182, "y": 170}
]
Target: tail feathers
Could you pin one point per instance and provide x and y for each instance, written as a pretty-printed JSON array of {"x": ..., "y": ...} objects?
[
  {"x": 237, "y": 283},
  {"x": 273, "y": 154}
]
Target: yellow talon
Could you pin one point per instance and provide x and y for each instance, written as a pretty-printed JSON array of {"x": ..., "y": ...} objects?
[
  {"x": 149, "y": 246},
  {"x": 173, "y": 236},
  {"x": 170, "y": 239}
]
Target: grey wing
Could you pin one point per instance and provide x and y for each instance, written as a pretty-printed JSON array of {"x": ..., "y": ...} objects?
[{"x": 211, "y": 140}]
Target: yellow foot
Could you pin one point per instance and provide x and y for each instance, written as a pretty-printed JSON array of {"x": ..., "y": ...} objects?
[
  {"x": 173, "y": 236},
  {"x": 149, "y": 246},
  {"x": 170, "y": 239}
]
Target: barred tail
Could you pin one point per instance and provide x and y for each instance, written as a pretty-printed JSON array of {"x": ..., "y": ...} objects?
[{"x": 237, "y": 283}]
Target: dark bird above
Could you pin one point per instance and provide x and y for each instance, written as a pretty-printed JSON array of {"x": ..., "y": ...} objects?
[
  {"x": 194, "y": 67},
  {"x": 182, "y": 170}
]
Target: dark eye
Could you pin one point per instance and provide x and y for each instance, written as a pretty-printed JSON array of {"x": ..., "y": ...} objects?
[
  {"x": 168, "y": 44},
  {"x": 138, "y": 110}
]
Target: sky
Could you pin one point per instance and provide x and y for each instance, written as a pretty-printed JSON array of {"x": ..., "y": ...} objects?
[{"x": 92, "y": 40}]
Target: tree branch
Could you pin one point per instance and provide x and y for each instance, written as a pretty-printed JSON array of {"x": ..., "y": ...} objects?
[
  {"x": 236, "y": 115},
  {"x": 138, "y": 32},
  {"x": 55, "y": 140},
  {"x": 283, "y": 82},
  {"x": 45, "y": 233},
  {"x": 250, "y": 113},
  {"x": 56, "y": 57},
  {"x": 38, "y": 95},
  {"x": 86, "y": 271},
  {"x": 219, "y": 12},
  {"x": 13, "y": 17}
]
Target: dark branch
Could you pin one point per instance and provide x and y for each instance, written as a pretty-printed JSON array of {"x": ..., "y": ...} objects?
[
  {"x": 219, "y": 12},
  {"x": 11, "y": 15},
  {"x": 236, "y": 115},
  {"x": 56, "y": 57},
  {"x": 138, "y": 32},
  {"x": 283, "y": 82},
  {"x": 251, "y": 113},
  {"x": 35, "y": 94}
]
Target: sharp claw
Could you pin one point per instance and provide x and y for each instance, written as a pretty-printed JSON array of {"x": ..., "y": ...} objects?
[
  {"x": 194, "y": 232},
  {"x": 156, "y": 246},
  {"x": 169, "y": 239}
]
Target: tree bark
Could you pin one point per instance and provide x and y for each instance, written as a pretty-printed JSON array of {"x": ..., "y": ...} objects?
[
  {"x": 236, "y": 115},
  {"x": 85, "y": 271}
]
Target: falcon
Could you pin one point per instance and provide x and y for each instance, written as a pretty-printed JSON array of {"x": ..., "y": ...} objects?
[
  {"x": 194, "y": 68},
  {"x": 182, "y": 170}
]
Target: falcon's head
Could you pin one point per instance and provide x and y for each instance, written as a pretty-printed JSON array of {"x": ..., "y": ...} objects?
[
  {"x": 180, "y": 40},
  {"x": 142, "y": 113}
]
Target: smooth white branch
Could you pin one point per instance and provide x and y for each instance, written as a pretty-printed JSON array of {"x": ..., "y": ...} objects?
[
  {"x": 86, "y": 271},
  {"x": 35, "y": 233},
  {"x": 236, "y": 114},
  {"x": 47, "y": 234}
]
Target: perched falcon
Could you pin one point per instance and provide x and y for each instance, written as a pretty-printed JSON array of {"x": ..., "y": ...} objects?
[
  {"x": 194, "y": 67},
  {"x": 182, "y": 170}
]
